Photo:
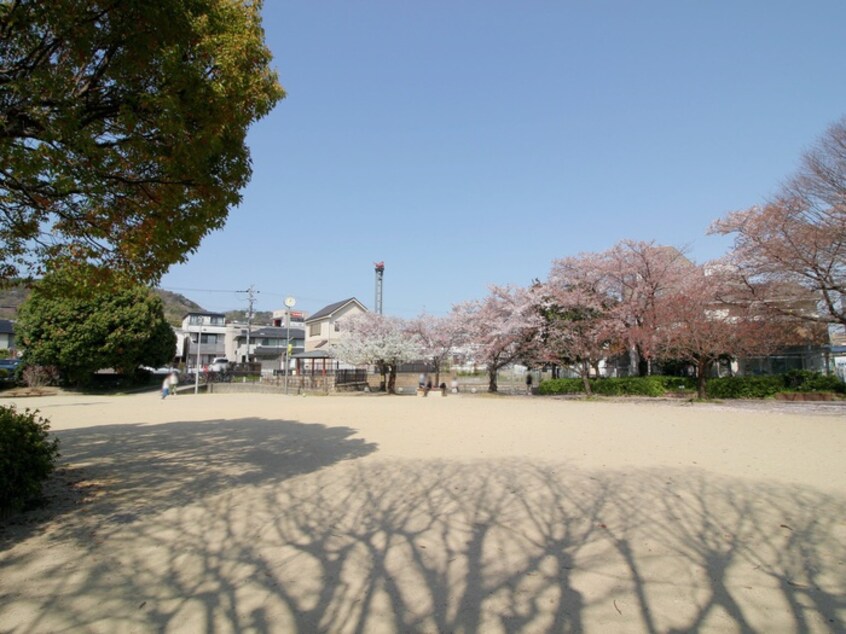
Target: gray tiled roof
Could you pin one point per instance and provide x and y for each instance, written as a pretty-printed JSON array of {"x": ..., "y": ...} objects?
[
  {"x": 326, "y": 311},
  {"x": 312, "y": 354}
]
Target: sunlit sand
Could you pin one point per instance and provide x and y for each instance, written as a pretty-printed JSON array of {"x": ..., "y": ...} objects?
[{"x": 266, "y": 513}]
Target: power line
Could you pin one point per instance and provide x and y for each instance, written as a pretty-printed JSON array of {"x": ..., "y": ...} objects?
[
  {"x": 200, "y": 290},
  {"x": 322, "y": 300}
]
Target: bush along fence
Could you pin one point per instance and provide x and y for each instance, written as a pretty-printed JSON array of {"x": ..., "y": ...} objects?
[{"x": 801, "y": 381}]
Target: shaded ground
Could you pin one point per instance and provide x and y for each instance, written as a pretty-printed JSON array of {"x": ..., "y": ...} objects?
[{"x": 361, "y": 523}]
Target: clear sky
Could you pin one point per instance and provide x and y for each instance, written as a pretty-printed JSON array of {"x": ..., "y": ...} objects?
[{"x": 471, "y": 142}]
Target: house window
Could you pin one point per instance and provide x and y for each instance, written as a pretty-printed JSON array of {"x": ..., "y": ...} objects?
[
  {"x": 314, "y": 329},
  {"x": 337, "y": 327}
]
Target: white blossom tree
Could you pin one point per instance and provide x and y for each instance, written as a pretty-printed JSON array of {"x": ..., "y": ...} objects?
[{"x": 373, "y": 339}]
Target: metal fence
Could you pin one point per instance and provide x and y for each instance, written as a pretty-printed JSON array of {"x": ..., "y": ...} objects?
[{"x": 350, "y": 377}]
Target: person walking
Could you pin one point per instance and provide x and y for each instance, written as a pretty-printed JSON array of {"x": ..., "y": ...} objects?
[
  {"x": 172, "y": 383},
  {"x": 529, "y": 382}
]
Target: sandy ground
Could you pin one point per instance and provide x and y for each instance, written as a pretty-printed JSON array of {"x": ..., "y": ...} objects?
[{"x": 263, "y": 513}]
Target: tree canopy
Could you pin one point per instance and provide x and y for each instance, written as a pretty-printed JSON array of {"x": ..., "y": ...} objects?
[
  {"x": 80, "y": 333},
  {"x": 122, "y": 128},
  {"x": 793, "y": 248},
  {"x": 580, "y": 326},
  {"x": 500, "y": 329},
  {"x": 371, "y": 338}
]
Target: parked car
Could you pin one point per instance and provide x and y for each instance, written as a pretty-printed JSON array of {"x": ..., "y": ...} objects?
[
  {"x": 219, "y": 364},
  {"x": 163, "y": 371},
  {"x": 10, "y": 364},
  {"x": 8, "y": 368}
]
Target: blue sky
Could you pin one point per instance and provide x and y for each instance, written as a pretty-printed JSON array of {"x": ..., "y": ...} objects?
[{"x": 469, "y": 143}]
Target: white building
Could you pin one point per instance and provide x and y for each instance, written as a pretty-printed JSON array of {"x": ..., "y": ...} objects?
[{"x": 203, "y": 336}]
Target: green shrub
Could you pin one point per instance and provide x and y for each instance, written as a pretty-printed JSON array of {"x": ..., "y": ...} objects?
[
  {"x": 807, "y": 381},
  {"x": 725, "y": 387},
  {"x": 27, "y": 456},
  {"x": 744, "y": 386},
  {"x": 622, "y": 386},
  {"x": 765, "y": 386},
  {"x": 629, "y": 386}
]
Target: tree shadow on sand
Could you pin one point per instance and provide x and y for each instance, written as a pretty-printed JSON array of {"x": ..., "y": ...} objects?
[
  {"x": 130, "y": 471},
  {"x": 439, "y": 546}
]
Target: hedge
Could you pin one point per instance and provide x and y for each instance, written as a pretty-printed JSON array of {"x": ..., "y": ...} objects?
[
  {"x": 27, "y": 456},
  {"x": 766, "y": 386},
  {"x": 623, "y": 386},
  {"x": 725, "y": 387},
  {"x": 744, "y": 386},
  {"x": 806, "y": 381}
]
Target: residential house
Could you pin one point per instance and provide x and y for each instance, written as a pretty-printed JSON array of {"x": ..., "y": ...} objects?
[
  {"x": 268, "y": 345},
  {"x": 323, "y": 326},
  {"x": 203, "y": 338},
  {"x": 7, "y": 335},
  {"x": 321, "y": 329}
]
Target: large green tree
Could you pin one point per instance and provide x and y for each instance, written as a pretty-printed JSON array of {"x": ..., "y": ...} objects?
[
  {"x": 122, "y": 128},
  {"x": 120, "y": 327}
]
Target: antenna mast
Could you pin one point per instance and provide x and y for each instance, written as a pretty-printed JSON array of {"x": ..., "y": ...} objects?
[{"x": 380, "y": 273}]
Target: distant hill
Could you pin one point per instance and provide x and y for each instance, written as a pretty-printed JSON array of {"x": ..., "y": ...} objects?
[
  {"x": 260, "y": 317},
  {"x": 175, "y": 305}
]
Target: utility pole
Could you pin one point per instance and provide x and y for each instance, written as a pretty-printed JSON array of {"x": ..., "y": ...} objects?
[
  {"x": 197, "y": 369},
  {"x": 251, "y": 299},
  {"x": 290, "y": 302}
]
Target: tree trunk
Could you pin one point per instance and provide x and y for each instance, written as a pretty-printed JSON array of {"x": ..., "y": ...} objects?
[
  {"x": 437, "y": 364},
  {"x": 383, "y": 382},
  {"x": 642, "y": 362},
  {"x": 702, "y": 367},
  {"x": 492, "y": 387},
  {"x": 392, "y": 379},
  {"x": 586, "y": 377}
]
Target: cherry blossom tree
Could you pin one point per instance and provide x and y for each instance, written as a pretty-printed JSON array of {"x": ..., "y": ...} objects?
[
  {"x": 438, "y": 337},
  {"x": 796, "y": 242},
  {"x": 641, "y": 275},
  {"x": 373, "y": 339},
  {"x": 500, "y": 329},
  {"x": 699, "y": 328},
  {"x": 580, "y": 324}
]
